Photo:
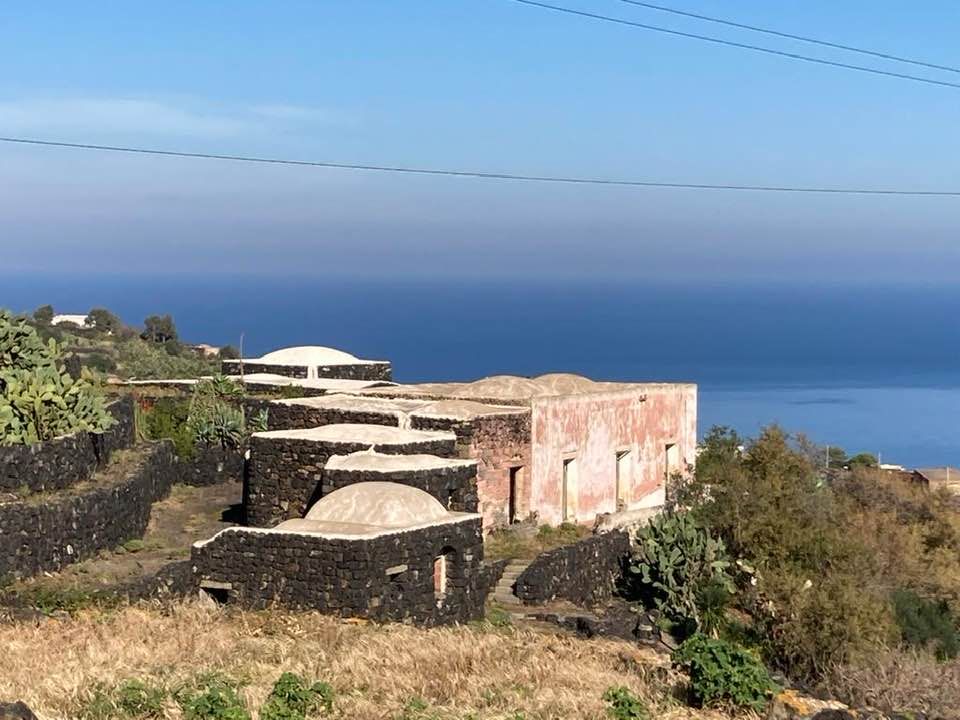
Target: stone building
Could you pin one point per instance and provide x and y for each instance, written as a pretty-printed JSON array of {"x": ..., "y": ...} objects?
[
  {"x": 311, "y": 362},
  {"x": 377, "y": 550},
  {"x": 558, "y": 448}
]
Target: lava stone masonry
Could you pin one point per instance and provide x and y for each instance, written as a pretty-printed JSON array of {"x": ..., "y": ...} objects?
[
  {"x": 65, "y": 461},
  {"x": 281, "y": 416},
  {"x": 585, "y": 572},
  {"x": 46, "y": 532},
  {"x": 284, "y": 475},
  {"x": 454, "y": 487},
  {"x": 389, "y": 577}
]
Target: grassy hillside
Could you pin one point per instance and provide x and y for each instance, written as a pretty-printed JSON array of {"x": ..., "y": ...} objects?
[{"x": 65, "y": 667}]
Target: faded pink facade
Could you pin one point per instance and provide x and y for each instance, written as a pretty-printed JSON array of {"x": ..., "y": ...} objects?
[{"x": 586, "y": 449}]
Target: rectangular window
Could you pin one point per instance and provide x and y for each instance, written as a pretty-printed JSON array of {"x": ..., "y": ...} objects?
[
  {"x": 568, "y": 490},
  {"x": 624, "y": 477},
  {"x": 671, "y": 460},
  {"x": 516, "y": 488}
]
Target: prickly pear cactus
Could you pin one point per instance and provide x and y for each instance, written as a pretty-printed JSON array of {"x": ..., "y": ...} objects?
[{"x": 39, "y": 400}]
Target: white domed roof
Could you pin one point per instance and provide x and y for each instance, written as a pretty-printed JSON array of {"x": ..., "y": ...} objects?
[
  {"x": 309, "y": 355},
  {"x": 381, "y": 504}
]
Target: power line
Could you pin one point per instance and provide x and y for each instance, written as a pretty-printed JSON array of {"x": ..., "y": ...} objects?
[
  {"x": 484, "y": 175},
  {"x": 731, "y": 43},
  {"x": 790, "y": 36}
]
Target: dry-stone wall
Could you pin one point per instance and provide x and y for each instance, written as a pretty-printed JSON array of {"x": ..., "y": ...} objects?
[
  {"x": 284, "y": 475},
  {"x": 47, "y": 531},
  {"x": 284, "y": 416},
  {"x": 65, "y": 461},
  {"x": 389, "y": 577},
  {"x": 455, "y": 487},
  {"x": 212, "y": 466},
  {"x": 372, "y": 372},
  {"x": 584, "y": 573}
]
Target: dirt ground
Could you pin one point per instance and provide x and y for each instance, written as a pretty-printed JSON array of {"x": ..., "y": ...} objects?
[{"x": 187, "y": 515}]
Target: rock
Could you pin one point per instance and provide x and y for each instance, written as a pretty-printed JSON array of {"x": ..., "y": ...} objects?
[
  {"x": 16, "y": 711},
  {"x": 791, "y": 705}
]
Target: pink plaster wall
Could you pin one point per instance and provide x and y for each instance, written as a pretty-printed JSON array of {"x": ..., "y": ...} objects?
[{"x": 593, "y": 427}]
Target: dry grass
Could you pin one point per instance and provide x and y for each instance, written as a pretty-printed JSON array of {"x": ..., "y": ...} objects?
[
  {"x": 901, "y": 681},
  {"x": 54, "y": 666}
]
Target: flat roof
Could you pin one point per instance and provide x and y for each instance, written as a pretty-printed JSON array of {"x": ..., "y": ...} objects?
[
  {"x": 354, "y": 433},
  {"x": 384, "y": 463}
]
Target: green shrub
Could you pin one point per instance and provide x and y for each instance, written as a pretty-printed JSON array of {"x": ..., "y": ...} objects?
[
  {"x": 130, "y": 700},
  {"x": 722, "y": 674},
  {"x": 168, "y": 419},
  {"x": 926, "y": 623},
  {"x": 145, "y": 360},
  {"x": 682, "y": 570},
  {"x": 624, "y": 705},
  {"x": 292, "y": 699},
  {"x": 212, "y": 697}
]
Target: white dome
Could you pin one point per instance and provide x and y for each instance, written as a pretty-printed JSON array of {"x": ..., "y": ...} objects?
[
  {"x": 381, "y": 504},
  {"x": 309, "y": 355}
]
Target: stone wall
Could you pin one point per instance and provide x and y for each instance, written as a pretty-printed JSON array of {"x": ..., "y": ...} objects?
[
  {"x": 283, "y": 416},
  {"x": 498, "y": 443},
  {"x": 48, "y": 531},
  {"x": 454, "y": 487},
  {"x": 212, "y": 466},
  {"x": 63, "y": 462},
  {"x": 585, "y": 573},
  {"x": 362, "y": 371},
  {"x": 389, "y": 577},
  {"x": 283, "y": 477},
  {"x": 232, "y": 367},
  {"x": 372, "y": 371}
]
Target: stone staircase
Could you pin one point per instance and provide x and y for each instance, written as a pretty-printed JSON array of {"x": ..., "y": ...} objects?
[{"x": 504, "y": 593}]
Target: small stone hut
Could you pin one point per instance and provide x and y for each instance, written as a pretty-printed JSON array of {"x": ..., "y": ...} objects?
[{"x": 376, "y": 550}]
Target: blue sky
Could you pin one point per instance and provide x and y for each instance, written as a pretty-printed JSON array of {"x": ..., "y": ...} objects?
[{"x": 480, "y": 84}]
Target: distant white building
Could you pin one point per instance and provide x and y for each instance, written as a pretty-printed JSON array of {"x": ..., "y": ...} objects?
[{"x": 78, "y": 320}]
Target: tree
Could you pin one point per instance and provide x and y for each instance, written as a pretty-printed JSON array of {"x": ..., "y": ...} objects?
[
  {"x": 159, "y": 329},
  {"x": 43, "y": 314},
  {"x": 863, "y": 460},
  {"x": 103, "y": 320},
  {"x": 837, "y": 457},
  {"x": 229, "y": 352}
]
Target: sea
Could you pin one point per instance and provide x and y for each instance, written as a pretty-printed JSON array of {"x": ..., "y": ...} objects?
[{"x": 863, "y": 367}]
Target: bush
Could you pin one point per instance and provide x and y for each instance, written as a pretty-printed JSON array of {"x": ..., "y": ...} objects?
[
  {"x": 168, "y": 419},
  {"x": 132, "y": 699},
  {"x": 722, "y": 674},
  {"x": 926, "y": 624},
  {"x": 682, "y": 570},
  {"x": 292, "y": 699},
  {"x": 143, "y": 360},
  {"x": 212, "y": 697},
  {"x": 39, "y": 400},
  {"x": 229, "y": 352},
  {"x": 624, "y": 705}
]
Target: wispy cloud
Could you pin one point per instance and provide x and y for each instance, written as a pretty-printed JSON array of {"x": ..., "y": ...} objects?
[{"x": 135, "y": 116}]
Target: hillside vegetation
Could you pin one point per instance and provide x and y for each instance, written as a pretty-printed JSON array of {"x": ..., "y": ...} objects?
[
  {"x": 80, "y": 666},
  {"x": 106, "y": 345},
  {"x": 847, "y": 580}
]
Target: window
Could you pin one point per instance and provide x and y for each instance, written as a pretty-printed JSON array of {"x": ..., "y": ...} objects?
[
  {"x": 516, "y": 488},
  {"x": 623, "y": 478},
  {"x": 442, "y": 566},
  {"x": 569, "y": 490},
  {"x": 671, "y": 460}
]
